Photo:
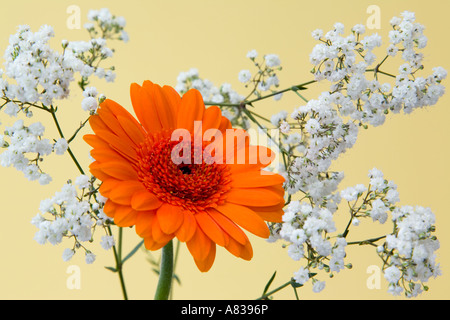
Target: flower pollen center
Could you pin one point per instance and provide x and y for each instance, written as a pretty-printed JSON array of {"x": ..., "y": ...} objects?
[{"x": 194, "y": 186}]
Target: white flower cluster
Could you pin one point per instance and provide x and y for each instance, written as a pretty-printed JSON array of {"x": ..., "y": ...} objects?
[
  {"x": 74, "y": 212},
  {"x": 306, "y": 229},
  {"x": 378, "y": 198},
  {"x": 224, "y": 96},
  {"x": 368, "y": 101},
  {"x": 41, "y": 73},
  {"x": 24, "y": 148},
  {"x": 409, "y": 253},
  {"x": 91, "y": 101},
  {"x": 111, "y": 26},
  {"x": 36, "y": 76},
  {"x": 317, "y": 133},
  {"x": 209, "y": 92},
  {"x": 265, "y": 79}
]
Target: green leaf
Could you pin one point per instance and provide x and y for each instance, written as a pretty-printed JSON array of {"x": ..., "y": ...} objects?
[
  {"x": 111, "y": 269},
  {"x": 266, "y": 288},
  {"x": 132, "y": 252}
]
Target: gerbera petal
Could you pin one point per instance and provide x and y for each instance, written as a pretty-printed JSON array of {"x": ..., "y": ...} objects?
[
  {"x": 124, "y": 191},
  {"x": 164, "y": 108},
  {"x": 187, "y": 229},
  {"x": 232, "y": 147},
  {"x": 120, "y": 145},
  {"x": 256, "y": 197},
  {"x": 272, "y": 213},
  {"x": 228, "y": 226},
  {"x": 97, "y": 170},
  {"x": 247, "y": 251},
  {"x": 105, "y": 154},
  {"x": 199, "y": 245},
  {"x": 234, "y": 247},
  {"x": 152, "y": 245},
  {"x": 144, "y": 222},
  {"x": 212, "y": 118},
  {"x": 253, "y": 179},
  {"x": 225, "y": 124},
  {"x": 134, "y": 132},
  {"x": 206, "y": 264},
  {"x": 246, "y": 218},
  {"x": 170, "y": 218},
  {"x": 110, "y": 208},
  {"x": 237, "y": 146},
  {"x": 114, "y": 125},
  {"x": 108, "y": 186},
  {"x": 173, "y": 98},
  {"x": 119, "y": 170},
  {"x": 211, "y": 228},
  {"x": 158, "y": 234},
  {"x": 191, "y": 109},
  {"x": 95, "y": 142},
  {"x": 143, "y": 200},
  {"x": 125, "y": 216},
  {"x": 144, "y": 109},
  {"x": 118, "y": 110},
  {"x": 258, "y": 157},
  {"x": 97, "y": 123}
]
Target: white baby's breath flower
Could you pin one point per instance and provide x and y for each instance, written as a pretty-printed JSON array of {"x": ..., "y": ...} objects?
[{"x": 245, "y": 76}]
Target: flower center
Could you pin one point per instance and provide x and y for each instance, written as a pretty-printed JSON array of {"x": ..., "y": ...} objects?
[{"x": 194, "y": 185}]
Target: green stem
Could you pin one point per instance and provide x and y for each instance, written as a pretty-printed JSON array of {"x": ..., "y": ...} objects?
[
  {"x": 368, "y": 241},
  {"x": 53, "y": 113},
  {"x": 165, "y": 273},
  {"x": 249, "y": 102},
  {"x": 118, "y": 259},
  {"x": 293, "y": 88},
  {"x": 267, "y": 295}
]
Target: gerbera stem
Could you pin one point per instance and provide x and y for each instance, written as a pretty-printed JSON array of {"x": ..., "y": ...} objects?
[{"x": 165, "y": 273}]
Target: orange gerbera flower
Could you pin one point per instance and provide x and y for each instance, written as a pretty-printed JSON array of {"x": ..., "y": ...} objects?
[{"x": 206, "y": 198}]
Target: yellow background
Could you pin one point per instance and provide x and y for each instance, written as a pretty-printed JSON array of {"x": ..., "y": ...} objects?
[{"x": 169, "y": 36}]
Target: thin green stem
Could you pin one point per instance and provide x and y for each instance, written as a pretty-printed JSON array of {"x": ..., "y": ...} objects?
[
  {"x": 268, "y": 294},
  {"x": 118, "y": 260},
  {"x": 165, "y": 273},
  {"x": 58, "y": 127},
  {"x": 382, "y": 72},
  {"x": 259, "y": 116},
  {"x": 293, "y": 88},
  {"x": 78, "y": 130},
  {"x": 119, "y": 264},
  {"x": 301, "y": 97},
  {"x": 368, "y": 241},
  {"x": 249, "y": 102}
]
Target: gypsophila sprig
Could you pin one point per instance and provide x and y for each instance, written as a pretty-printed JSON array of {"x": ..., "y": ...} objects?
[
  {"x": 24, "y": 148},
  {"x": 409, "y": 253},
  {"x": 36, "y": 78},
  {"x": 74, "y": 213},
  {"x": 265, "y": 78},
  {"x": 224, "y": 96},
  {"x": 315, "y": 134}
]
